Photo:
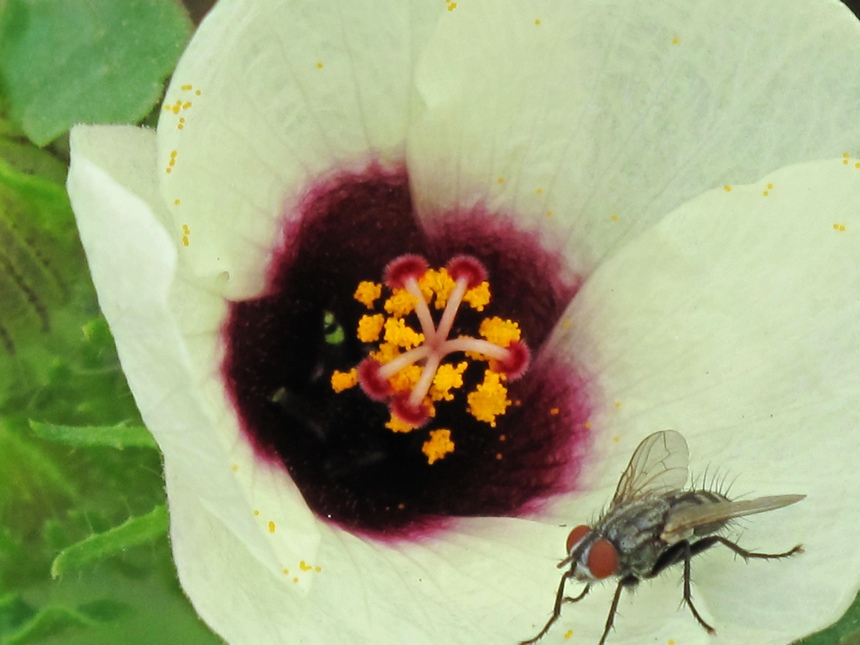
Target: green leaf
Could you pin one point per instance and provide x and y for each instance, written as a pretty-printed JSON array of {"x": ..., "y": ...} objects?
[
  {"x": 21, "y": 624},
  {"x": 93, "y": 61},
  {"x": 844, "y": 632},
  {"x": 133, "y": 532},
  {"x": 47, "y": 622},
  {"x": 35, "y": 241},
  {"x": 119, "y": 437}
]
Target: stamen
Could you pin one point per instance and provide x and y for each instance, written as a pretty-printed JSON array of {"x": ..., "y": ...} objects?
[{"x": 408, "y": 370}]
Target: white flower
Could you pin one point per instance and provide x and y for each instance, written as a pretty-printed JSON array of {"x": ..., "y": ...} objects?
[{"x": 651, "y": 145}]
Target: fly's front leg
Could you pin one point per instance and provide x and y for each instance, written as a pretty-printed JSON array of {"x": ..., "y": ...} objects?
[
  {"x": 556, "y": 610},
  {"x": 610, "y": 619},
  {"x": 688, "y": 595},
  {"x": 579, "y": 597}
]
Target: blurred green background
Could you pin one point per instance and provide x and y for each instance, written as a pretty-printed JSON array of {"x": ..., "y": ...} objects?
[{"x": 84, "y": 554}]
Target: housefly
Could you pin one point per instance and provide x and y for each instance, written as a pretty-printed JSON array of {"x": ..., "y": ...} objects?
[{"x": 653, "y": 523}]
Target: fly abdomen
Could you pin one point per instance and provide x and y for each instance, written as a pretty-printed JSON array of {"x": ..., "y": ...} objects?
[{"x": 684, "y": 499}]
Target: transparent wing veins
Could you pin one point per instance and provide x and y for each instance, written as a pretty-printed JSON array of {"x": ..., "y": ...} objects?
[
  {"x": 681, "y": 522},
  {"x": 658, "y": 465}
]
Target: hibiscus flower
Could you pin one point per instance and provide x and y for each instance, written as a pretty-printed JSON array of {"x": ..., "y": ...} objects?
[{"x": 399, "y": 286}]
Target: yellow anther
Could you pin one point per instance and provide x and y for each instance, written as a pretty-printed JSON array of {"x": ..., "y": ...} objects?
[
  {"x": 448, "y": 377},
  {"x": 396, "y": 424},
  {"x": 400, "y": 303},
  {"x": 499, "y": 331},
  {"x": 478, "y": 297},
  {"x": 438, "y": 284},
  {"x": 341, "y": 381},
  {"x": 397, "y": 332},
  {"x": 438, "y": 445},
  {"x": 490, "y": 399},
  {"x": 385, "y": 354},
  {"x": 367, "y": 293},
  {"x": 405, "y": 379},
  {"x": 369, "y": 328}
]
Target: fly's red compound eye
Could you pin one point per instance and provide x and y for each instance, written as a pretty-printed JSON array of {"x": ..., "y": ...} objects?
[
  {"x": 602, "y": 559},
  {"x": 576, "y": 536}
]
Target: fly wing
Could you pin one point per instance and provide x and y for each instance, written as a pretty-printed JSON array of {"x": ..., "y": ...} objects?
[
  {"x": 681, "y": 522},
  {"x": 657, "y": 466}
]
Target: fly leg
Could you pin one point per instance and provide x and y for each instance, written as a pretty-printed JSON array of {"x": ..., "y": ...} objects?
[
  {"x": 611, "y": 617},
  {"x": 706, "y": 543},
  {"x": 556, "y": 610},
  {"x": 752, "y": 554},
  {"x": 688, "y": 596}
]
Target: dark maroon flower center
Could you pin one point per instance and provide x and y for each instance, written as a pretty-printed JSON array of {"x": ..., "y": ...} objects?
[{"x": 284, "y": 348}]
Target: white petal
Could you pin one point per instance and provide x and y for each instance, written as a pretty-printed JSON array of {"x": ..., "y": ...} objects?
[
  {"x": 167, "y": 334},
  {"x": 608, "y": 115},
  {"x": 482, "y": 582},
  {"x": 734, "y": 320},
  {"x": 289, "y": 90}
]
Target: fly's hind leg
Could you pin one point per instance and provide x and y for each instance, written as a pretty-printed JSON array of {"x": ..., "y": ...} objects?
[
  {"x": 746, "y": 555},
  {"x": 706, "y": 543}
]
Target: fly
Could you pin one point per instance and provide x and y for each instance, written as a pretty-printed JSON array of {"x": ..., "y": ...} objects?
[{"x": 653, "y": 523}]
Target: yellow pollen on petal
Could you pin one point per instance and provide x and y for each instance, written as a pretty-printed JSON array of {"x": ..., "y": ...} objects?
[
  {"x": 499, "y": 331},
  {"x": 398, "y": 333},
  {"x": 727, "y": 188},
  {"x": 400, "y": 303},
  {"x": 478, "y": 297},
  {"x": 370, "y": 327},
  {"x": 490, "y": 399},
  {"x": 448, "y": 377},
  {"x": 341, "y": 381},
  {"x": 271, "y": 527},
  {"x": 438, "y": 445},
  {"x": 367, "y": 293},
  {"x": 438, "y": 284},
  {"x": 568, "y": 634}
]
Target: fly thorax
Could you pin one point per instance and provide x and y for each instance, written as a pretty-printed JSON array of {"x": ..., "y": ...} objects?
[{"x": 635, "y": 530}]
